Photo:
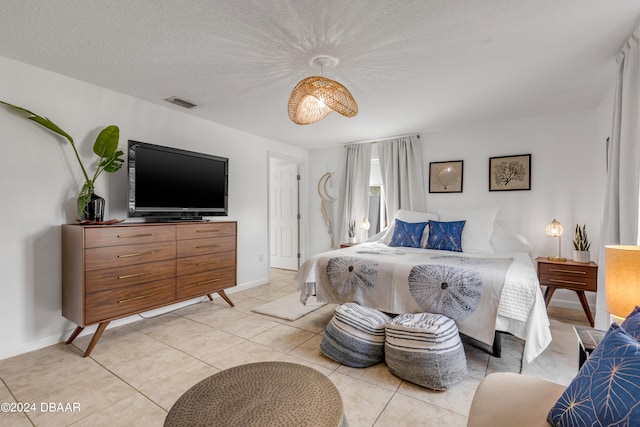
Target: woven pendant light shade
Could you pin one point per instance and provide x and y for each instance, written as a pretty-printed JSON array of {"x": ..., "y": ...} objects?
[{"x": 314, "y": 98}]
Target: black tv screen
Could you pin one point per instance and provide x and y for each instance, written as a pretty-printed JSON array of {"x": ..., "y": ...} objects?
[{"x": 174, "y": 183}]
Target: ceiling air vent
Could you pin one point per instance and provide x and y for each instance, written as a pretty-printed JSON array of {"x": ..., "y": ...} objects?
[{"x": 181, "y": 102}]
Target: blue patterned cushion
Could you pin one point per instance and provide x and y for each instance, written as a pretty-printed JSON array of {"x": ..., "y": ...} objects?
[
  {"x": 445, "y": 236},
  {"x": 606, "y": 391},
  {"x": 407, "y": 234},
  {"x": 632, "y": 324}
]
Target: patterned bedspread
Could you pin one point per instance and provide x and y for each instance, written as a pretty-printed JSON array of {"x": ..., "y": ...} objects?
[{"x": 474, "y": 289}]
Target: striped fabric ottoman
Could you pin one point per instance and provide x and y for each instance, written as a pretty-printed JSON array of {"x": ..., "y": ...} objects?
[
  {"x": 425, "y": 349},
  {"x": 355, "y": 336}
]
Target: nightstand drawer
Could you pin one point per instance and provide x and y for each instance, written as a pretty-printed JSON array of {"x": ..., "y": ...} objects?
[
  {"x": 581, "y": 283},
  {"x": 570, "y": 270}
]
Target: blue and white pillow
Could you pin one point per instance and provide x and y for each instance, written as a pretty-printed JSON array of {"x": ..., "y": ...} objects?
[
  {"x": 407, "y": 234},
  {"x": 632, "y": 324},
  {"x": 606, "y": 391},
  {"x": 445, "y": 236}
]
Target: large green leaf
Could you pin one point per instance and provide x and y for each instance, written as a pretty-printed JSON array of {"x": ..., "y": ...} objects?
[
  {"x": 113, "y": 163},
  {"x": 42, "y": 121},
  {"x": 107, "y": 142}
]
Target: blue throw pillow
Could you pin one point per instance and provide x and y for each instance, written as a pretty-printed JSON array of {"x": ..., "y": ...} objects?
[
  {"x": 445, "y": 236},
  {"x": 632, "y": 324},
  {"x": 606, "y": 391},
  {"x": 407, "y": 234}
]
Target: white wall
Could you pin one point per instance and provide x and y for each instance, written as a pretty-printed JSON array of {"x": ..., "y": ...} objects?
[
  {"x": 40, "y": 178},
  {"x": 568, "y": 168}
]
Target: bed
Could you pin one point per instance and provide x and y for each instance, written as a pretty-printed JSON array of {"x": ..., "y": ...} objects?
[{"x": 488, "y": 284}]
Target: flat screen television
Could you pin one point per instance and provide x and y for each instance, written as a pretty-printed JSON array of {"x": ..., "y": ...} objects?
[{"x": 168, "y": 183}]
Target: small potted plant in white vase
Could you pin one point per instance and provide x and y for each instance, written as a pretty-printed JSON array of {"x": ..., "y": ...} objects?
[
  {"x": 352, "y": 231},
  {"x": 581, "y": 245}
]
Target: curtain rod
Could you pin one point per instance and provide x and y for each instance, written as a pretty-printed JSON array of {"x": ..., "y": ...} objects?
[{"x": 373, "y": 141}]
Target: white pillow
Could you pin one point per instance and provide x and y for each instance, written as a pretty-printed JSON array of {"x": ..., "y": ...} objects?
[
  {"x": 411, "y": 217},
  {"x": 504, "y": 240},
  {"x": 477, "y": 231}
]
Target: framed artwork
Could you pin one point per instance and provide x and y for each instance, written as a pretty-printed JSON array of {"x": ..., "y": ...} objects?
[
  {"x": 508, "y": 173},
  {"x": 445, "y": 177}
]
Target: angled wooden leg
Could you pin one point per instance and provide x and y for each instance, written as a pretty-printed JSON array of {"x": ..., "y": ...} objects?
[
  {"x": 210, "y": 297},
  {"x": 225, "y": 297},
  {"x": 585, "y": 306},
  {"x": 547, "y": 295},
  {"x": 101, "y": 327},
  {"x": 74, "y": 335}
]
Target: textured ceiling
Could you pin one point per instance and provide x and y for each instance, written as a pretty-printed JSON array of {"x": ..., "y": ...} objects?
[{"x": 412, "y": 65}]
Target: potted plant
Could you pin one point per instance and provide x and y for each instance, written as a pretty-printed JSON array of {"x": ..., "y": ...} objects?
[
  {"x": 90, "y": 206},
  {"x": 352, "y": 231},
  {"x": 581, "y": 245}
]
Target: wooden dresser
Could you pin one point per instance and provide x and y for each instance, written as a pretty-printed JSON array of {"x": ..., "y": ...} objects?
[{"x": 114, "y": 271}]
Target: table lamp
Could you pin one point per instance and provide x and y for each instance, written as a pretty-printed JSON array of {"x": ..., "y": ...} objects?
[
  {"x": 622, "y": 279},
  {"x": 554, "y": 229}
]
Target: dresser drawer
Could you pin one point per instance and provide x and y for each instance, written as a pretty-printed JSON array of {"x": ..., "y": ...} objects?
[
  {"x": 120, "y": 256},
  {"x": 113, "y": 278},
  {"x": 211, "y": 245},
  {"x": 198, "y": 284},
  {"x": 114, "y": 303},
  {"x": 200, "y": 263},
  {"x": 115, "y": 236},
  {"x": 205, "y": 230}
]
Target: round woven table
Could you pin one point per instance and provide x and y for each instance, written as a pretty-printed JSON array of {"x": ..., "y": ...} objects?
[{"x": 260, "y": 394}]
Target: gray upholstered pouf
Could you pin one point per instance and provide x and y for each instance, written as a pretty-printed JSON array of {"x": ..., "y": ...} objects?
[
  {"x": 355, "y": 336},
  {"x": 425, "y": 349}
]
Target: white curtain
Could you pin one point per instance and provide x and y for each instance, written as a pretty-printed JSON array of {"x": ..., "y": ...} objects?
[
  {"x": 356, "y": 189},
  {"x": 402, "y": 177},
  {"x": 620, "y": 221}
]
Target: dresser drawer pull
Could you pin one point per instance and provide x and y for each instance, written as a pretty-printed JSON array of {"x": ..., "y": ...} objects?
[
  {"x": 207, "y": 246},
  {"x": 207, "y": 281},
  {"x": 207, "y": 231},
  {"x": 124, "y": 236},
  {"x": 560, "y": 270},
  {"x": 215, "y": 261},
  {"x": 568, "y": 282},
  {"x": 136, "y": 254},
  {"x": 133, "y": 298},
  {"x": 128, "y": 276}
]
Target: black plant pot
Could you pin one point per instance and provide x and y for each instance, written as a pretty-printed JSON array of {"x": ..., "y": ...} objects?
[{"x": 94, "y": 211}]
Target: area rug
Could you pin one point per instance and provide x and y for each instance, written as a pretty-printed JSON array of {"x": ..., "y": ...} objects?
[{"x": 288, "y": 307}]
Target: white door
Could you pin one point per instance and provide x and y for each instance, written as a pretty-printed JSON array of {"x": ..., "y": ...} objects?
[{"x": 284, "y": 216}]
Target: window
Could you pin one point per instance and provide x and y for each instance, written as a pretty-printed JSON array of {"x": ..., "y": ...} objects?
[{"x": 376, "y": 200}]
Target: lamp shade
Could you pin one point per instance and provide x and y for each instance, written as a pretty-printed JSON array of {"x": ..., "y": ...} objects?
[
  {"x": 622, "y": 278},
  {"x": 365, "y": 224},
  {"x": 315, "y": 97},
  {"x": 554, "y": 229}
]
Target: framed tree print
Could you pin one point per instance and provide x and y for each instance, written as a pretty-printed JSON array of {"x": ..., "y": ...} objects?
[
  {"x": 445, "y": 177},
  {"x": 508, "y": 173}
]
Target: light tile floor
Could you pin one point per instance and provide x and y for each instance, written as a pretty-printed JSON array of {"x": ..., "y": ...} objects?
[{"x": 137, "y": 371}]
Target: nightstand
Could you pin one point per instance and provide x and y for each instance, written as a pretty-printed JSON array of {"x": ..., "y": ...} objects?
[
  {"x": 575, "y": 276},
  {"x": 347, "y": 245}
]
